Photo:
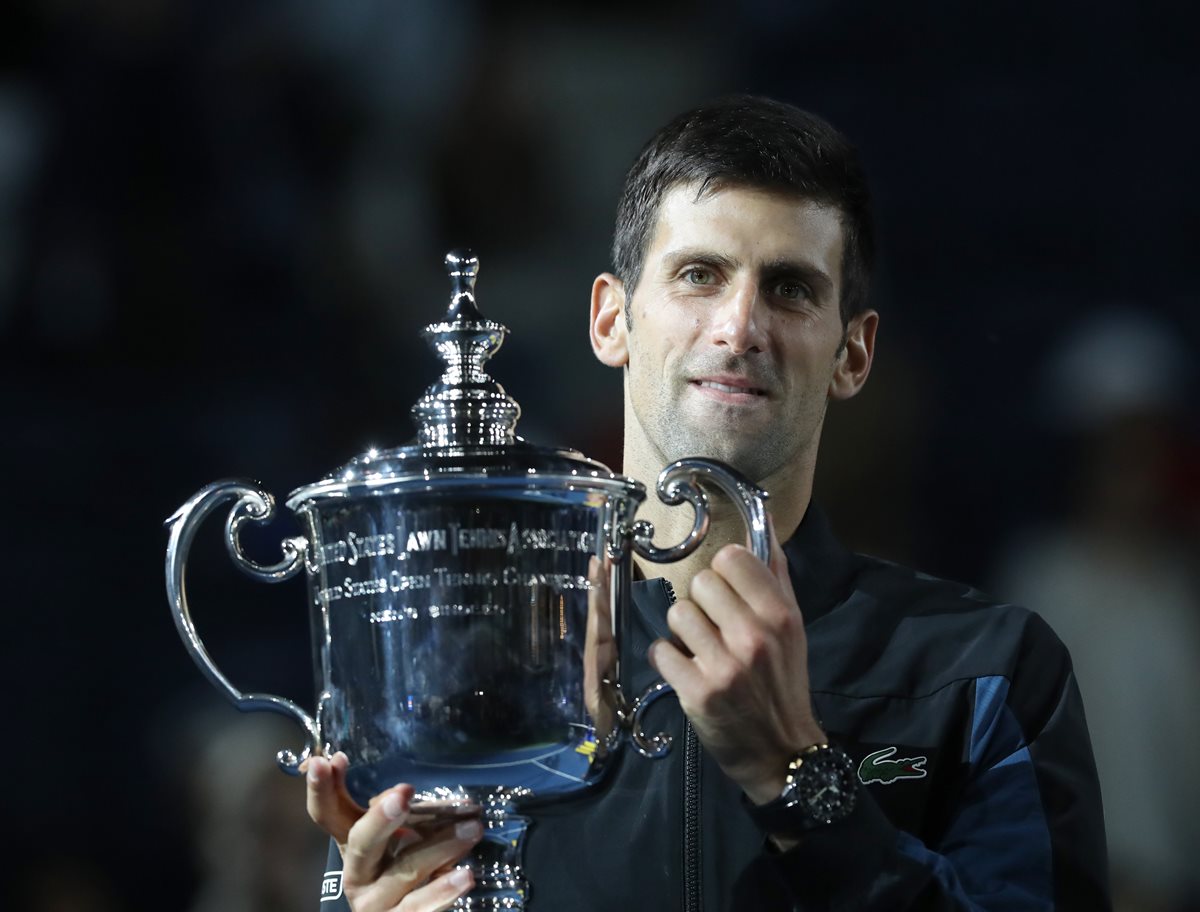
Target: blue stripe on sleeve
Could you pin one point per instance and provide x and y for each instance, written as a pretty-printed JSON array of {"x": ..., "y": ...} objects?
[
  {"x": 989, "y": 718},
  {"x": 996, "y": 853},
  {"x": 1001, "y": 834}
]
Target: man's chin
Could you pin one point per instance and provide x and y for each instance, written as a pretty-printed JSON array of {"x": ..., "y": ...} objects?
[{"x": 750, "y": 464}]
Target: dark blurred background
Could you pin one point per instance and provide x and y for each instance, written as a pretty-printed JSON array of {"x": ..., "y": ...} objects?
[{"x": 222, "y": 224}]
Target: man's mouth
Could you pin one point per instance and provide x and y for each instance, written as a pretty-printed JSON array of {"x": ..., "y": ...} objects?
[{"x": 733, "y": 388}]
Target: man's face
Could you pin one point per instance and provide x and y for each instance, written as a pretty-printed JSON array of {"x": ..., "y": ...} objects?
[{"x": 736, "y": 328}]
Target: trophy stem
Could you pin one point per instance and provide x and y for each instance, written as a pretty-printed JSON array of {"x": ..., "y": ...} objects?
[{"x": 500, "y": 882}]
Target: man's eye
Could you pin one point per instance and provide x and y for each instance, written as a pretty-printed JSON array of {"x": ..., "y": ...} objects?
[
  {"x": 698, "y": 275},
  {"x": 792, "y": 290}
]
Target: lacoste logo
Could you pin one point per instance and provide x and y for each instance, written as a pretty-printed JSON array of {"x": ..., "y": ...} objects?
[
  {"x": 331, "y": 886},
  {"x": 879, "y": 767}
]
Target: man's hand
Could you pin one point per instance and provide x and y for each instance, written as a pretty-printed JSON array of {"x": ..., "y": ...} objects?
[
  {"x": 740, "y": 668},
  {"x": 599, "y": 652},
  {"x": 393, "y": 859}
]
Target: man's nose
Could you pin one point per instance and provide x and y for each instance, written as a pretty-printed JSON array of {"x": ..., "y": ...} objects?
[{"x": 739, "y": 321}]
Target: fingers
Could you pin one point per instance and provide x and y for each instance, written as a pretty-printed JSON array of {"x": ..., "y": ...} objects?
[
  {"x": 367, "y": 841},
  {"x": 329, "y": 803},
  {"x": 440, "y": 893},
  {"x": 739, "y": 611},
  {"x": 766, "y": 590},
  {"x": 415, "y": 871},
  {"x": 709, "y": 655},
  {"x": 599, "y": 618},
  {"x": 599, "y": 652},
  {"x": 393, "y": 858},
  {"x": 677, "y": 669},
  {"x": 716, "y": 598}
]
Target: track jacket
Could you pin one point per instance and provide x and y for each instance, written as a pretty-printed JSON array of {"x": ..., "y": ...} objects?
[{"x": 977, "y": 789}]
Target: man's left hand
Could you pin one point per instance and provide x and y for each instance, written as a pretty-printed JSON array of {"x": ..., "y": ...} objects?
[{"x": 739, "y": 665}]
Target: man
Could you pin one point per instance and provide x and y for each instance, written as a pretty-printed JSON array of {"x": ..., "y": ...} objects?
[{"x": 849, "y": 734}]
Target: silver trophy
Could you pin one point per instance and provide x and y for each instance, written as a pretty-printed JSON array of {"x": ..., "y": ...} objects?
[{"x": 448, "y": 585}]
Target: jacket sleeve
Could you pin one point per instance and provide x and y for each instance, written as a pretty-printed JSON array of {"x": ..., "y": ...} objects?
[{"x": 1028, "y": 832}]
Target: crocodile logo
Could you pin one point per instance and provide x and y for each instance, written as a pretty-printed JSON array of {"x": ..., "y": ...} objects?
[{"x": 880, "y": 767}]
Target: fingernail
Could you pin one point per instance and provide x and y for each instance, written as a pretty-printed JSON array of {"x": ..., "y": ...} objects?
[
  {"x": 312, "y": 774},
  {"x": 468, "y": 829},
  {"x": 460, "y": 877},
  {"x": 393, "y": 807}
]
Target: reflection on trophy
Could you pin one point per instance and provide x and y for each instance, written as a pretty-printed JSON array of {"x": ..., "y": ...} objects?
[{"x": 449, "y": 593}]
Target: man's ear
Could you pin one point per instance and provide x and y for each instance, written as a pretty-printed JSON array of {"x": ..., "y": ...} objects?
[
  {"x": 854, "y": 363},
  {"x": 608, "y": 330}
]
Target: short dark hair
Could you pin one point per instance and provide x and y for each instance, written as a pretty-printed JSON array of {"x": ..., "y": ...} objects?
[{"x": 748, "y": 141}]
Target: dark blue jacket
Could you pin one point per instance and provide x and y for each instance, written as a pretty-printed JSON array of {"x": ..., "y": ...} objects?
[{"x": 978, "y": 790}]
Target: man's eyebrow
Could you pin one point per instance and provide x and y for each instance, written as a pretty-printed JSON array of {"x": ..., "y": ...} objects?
[{"x": 677, "y": 259}]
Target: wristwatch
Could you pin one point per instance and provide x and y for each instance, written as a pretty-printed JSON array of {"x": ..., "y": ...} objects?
[{"x": 820, "y": 789}]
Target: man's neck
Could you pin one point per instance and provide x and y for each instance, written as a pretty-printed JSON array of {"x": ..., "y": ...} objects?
[{"x": 790, "y": 490}]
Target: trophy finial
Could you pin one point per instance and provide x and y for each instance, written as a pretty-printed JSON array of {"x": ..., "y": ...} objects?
[
  {"x": 466, "y": 407},
  {"x": 463, "y": 267},
  {"x": 461, "y": 261}
]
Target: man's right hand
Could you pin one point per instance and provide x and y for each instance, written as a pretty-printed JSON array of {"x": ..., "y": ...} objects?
[{"x": 392, "y": 860}]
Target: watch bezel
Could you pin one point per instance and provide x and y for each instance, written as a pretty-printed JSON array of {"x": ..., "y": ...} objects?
[{"x": 811, "y": 773}]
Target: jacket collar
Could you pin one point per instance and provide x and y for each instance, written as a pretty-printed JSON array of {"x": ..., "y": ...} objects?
[{"x": 819, "y": 565}]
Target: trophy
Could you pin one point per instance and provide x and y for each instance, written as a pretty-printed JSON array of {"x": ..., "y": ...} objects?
[{"x": 448, "y": 589}]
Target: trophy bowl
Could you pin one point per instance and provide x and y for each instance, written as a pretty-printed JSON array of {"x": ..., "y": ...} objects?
[{"x": 449, "y": 595}]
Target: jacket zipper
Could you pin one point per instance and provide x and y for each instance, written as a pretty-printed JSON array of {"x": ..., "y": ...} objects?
[
  {"x": 691, "y": 819},
  {"x": 691, "y": 806}
]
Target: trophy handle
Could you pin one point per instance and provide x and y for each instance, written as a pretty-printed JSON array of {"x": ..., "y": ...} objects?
[
  {"x": 255, "y": 504},
  {"x": 678, "y": 482}
]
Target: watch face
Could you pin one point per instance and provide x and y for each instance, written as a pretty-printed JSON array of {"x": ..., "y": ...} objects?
[{"x": 825, "y": 786}]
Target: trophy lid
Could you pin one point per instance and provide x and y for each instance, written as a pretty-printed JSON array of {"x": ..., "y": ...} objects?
[{"x": 466, "y": 422}]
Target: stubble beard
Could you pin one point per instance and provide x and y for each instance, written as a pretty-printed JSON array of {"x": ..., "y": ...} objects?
[{"x": 756, "y": 452}]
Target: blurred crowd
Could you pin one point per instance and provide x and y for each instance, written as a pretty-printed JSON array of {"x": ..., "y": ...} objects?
[
  {"x": 1114, "y": 570},
  {"x": 221, "y": 225}
]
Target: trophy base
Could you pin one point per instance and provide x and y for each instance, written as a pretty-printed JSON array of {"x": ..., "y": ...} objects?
[{"x": 497, "y": 887}]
